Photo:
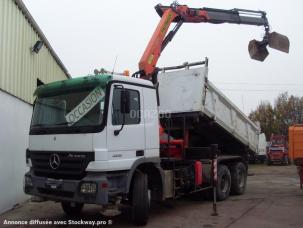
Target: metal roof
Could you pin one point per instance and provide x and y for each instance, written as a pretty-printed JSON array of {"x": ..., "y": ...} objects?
[{"x": 37, "y": 29}]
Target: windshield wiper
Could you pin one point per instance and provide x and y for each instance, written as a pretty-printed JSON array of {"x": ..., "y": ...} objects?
[
  {"x": 60, "y": 124},
  {"x": 50, "y": 125},
  {"x": 39, "y": 125}
]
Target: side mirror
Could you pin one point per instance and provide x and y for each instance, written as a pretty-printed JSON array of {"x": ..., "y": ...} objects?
[{"x": 125, "y": 101}]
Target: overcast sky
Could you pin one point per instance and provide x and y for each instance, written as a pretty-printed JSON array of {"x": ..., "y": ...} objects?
[{"x": 89, "y": 34}]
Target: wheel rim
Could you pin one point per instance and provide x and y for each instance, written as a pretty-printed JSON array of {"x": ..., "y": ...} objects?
[
  {"x": 149, "y": 197},
  {"x": 224, "y": 183},
  {"x": 241, "y": 179}
]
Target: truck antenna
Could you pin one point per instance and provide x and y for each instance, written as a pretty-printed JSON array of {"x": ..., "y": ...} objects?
[{"x": 115, "y": 64}]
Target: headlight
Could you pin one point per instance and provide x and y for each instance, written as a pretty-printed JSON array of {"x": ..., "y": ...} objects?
[
  {"x": 28, "y": 181},
  {"x": 28, "y": 159},
  {"x": 88, "y": 188},
  {"x": 29, "y": 163}
]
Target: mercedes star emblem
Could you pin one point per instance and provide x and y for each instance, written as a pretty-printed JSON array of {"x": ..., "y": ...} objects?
[{"x": 54, "y": 161}]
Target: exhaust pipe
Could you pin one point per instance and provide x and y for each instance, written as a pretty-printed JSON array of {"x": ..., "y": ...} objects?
[{"x": 258, "y": 49}]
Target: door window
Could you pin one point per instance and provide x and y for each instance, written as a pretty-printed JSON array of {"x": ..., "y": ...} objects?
[{"x": 133, "y": 117}]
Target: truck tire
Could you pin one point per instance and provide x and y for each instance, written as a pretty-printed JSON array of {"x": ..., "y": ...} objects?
[
  {"x": 268, "y": 162},
  {"x": 224, "y": 182},
  {"x": 238, "y": 178},
  {"x": 262, "y": 160},
  {"x": 140, "y": 200},
  {"x": 72, "y": 209},
  {"x": 285, "y": 160}
]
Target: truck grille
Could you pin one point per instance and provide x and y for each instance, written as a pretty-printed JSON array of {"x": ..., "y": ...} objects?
[{"x": 71, "y": 166}]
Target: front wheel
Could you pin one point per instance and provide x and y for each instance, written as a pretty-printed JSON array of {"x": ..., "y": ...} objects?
[
  {"x": 224, "y": 182},
  {"x": 72, "y": 209},
  {"x": 268, "y": 162},
  {"x": 285, "y": 161},
  {"x": 238, "y": 178},
  {"x": 140, "y": 199}
]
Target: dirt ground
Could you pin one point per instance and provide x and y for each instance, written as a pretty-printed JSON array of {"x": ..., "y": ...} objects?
[{"x": 273, "y": 199}]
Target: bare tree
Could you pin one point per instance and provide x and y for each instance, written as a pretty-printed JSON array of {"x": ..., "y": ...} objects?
[
  {"x": 264, "y": 114},
  {"x": 287, "y": 110}
]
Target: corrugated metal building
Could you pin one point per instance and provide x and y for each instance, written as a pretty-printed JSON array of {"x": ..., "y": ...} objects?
[{"x": 20, "y": 70}]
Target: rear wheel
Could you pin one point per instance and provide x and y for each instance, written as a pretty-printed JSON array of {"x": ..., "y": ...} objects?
[
  {"x": 224, "y": 182},
  {"x": 72, "y": 209},
  {"x": 238, "y": 179},
  {"x": 140, "y": 199},
  {"x": 285, "y": 161}
]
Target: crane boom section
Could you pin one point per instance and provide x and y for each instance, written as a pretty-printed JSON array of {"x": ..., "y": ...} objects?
[
  {"x": 180, "y": 14},
  {"x": 153, "y": 50}
]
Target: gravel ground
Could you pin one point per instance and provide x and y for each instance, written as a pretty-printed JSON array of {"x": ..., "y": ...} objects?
[{"x": 273, "y": 199}]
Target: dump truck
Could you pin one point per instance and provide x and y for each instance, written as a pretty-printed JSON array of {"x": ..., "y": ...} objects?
[
  {"x": 160, "y": 134},
  {"x": 261, "y": 155},
  {"x": 277, "y": 152},
  {"x": 295, "y": 136}
]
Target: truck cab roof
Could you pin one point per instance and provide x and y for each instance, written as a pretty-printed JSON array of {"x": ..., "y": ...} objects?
[
  {"x": 86, "y": 82},
  {"x": 132, "y": 80}
]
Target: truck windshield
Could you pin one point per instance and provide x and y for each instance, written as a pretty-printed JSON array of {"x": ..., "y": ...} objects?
[
  {"x": 71, "y": 110},
  {"x": 277, "y": 141}
]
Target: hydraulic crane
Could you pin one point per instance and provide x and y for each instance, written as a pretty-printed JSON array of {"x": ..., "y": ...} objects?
[{"x": 180, "y": 14}]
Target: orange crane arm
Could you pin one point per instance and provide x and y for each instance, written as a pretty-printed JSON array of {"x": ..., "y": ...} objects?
[
  {"x": 180, "y": 14},
  {"x": 153, "y": 50},
  {"x": 158, "y": 42}
]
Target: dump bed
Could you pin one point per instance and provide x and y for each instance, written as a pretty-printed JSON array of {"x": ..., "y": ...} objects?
[
  {"x": 189, "y": 91},
  {"x": 295, "y": 142}
]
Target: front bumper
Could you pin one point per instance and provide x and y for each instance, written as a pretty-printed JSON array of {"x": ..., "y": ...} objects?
[
  {"x": 276, "y": 158},
  {"x": 108, "y": 187}
]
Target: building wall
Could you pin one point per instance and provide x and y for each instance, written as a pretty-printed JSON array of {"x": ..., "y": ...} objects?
[
  {"x": 19, "y": 67},
  {"x": 19, "y": 70},
  {"x": 15, "y": 120}
]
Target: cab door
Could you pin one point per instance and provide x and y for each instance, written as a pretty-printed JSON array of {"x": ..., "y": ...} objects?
[{"x": 125, "y": 130}]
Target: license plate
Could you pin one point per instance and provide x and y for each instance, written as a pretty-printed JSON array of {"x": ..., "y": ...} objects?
[{"x": 53, "y": 184}]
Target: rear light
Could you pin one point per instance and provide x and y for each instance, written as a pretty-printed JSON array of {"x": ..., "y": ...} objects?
[
  {"x": 198, "y": 172},
  {"x": 104, "y": 185}
]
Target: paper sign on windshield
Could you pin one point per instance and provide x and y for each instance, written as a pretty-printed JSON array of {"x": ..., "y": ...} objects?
[{"x": 85, "y": 106}]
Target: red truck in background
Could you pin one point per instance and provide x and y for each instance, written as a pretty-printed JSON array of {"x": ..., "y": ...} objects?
[{"x": 277, "y": 150}]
